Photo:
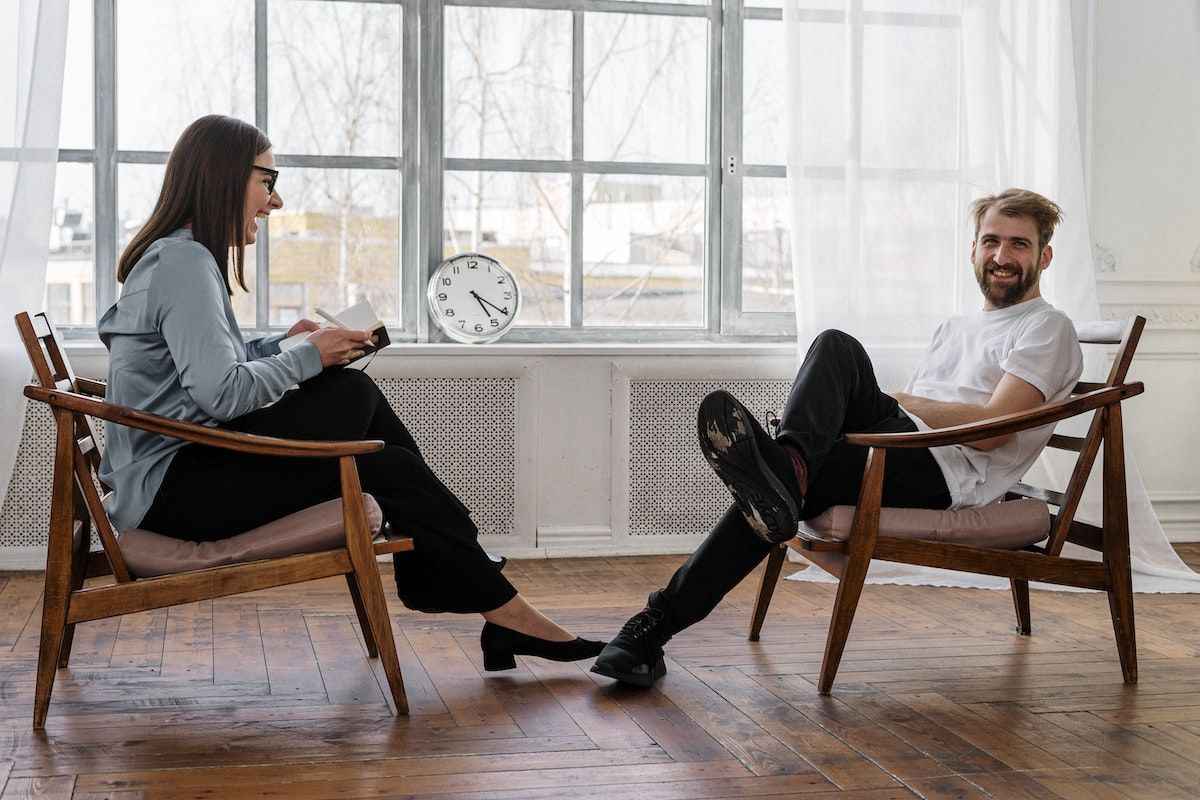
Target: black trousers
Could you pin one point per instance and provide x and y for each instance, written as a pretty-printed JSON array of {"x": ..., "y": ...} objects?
[
  {"x": 209, "y": 493},
  {"x": 834, "y": 393}
]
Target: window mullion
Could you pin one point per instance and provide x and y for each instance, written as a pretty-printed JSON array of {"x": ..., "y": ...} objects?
[
  {"x": 410, "y": 136},
  {"x": 430, "y": 169},
  {"x": 262, "y": 248},
  {"x": 728, "y": 184},
  {"x": 714, "y": 193},
  {"x": 105, "y": 176},
  {"x": 575, "y": 287}
]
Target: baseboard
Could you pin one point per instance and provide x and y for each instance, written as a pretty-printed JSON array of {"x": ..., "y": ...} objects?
[
  {"x": 1179, "y": 513},
  {"x": 573, "y": 537},
  {"x": 31, "y": 558}
]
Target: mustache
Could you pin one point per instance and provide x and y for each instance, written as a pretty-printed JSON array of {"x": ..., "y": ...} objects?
[{"x": 992, "y": 266}]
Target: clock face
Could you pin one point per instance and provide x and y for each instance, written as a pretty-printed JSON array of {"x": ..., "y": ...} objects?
[{"x": 473, "y": 298}]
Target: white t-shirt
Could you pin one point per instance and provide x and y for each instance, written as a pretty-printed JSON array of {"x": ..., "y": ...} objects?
[{"x": 964, "y": 364}]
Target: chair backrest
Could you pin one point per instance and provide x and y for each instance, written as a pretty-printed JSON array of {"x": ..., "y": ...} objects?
[
  {"x": 52, "y": 370},
  {"x": 1126, "y": 336}
]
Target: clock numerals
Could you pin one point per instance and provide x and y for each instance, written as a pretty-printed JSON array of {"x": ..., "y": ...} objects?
[{"x": 462, "y": 293}]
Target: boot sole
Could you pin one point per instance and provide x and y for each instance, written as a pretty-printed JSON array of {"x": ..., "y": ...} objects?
[
  {"x": 725, "y": 429},
  {"x": 644, "y": 681}
]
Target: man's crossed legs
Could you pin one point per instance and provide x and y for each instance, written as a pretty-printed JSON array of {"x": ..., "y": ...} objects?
[{"x": 775, "y": 484}]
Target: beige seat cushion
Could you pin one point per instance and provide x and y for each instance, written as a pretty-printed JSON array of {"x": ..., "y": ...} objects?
[
  {"x": 312, "y": 530},
  {"x": 1009, "y": 525}
]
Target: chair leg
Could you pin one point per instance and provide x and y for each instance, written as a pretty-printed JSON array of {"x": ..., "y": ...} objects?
[
  {"x": 1120, "y": 605},
  {"x": 1020, "y": 594},
  {"x": 365, "y": 574},
  {"x": 83, "y": 544},
  {"x": 375, "y": 608},
  {"x": 363, "y": 621},
  {"x": 1116, "y": 544},
  {"x": 770, "y": 579},
  {"x": 848, "y": 592}
]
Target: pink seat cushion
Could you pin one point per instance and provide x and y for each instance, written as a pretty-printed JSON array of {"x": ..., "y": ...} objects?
[
  {"x": 1009, "y": 525},
  {"x": 313, "y": 530}
]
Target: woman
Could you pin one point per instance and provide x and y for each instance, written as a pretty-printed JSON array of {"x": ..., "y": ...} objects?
[{"x": 176, "y": 350}]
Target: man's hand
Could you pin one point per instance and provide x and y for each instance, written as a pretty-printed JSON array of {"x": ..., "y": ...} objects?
[
  {"x": 1011, "y": 396},
  {"x": 303, "y": 326}
]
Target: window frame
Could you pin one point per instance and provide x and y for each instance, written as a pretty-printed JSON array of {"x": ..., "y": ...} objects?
[{"x": 422, "y": 164}]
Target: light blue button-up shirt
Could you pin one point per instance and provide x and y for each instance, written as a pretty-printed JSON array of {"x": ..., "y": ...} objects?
[{"x": 175, "y": 349}]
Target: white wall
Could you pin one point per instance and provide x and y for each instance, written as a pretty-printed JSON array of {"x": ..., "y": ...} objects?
[{"x": 1144, "y": 190}]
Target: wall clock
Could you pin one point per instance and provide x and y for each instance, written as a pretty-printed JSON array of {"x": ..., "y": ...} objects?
[{"x": 473, "y": 298}]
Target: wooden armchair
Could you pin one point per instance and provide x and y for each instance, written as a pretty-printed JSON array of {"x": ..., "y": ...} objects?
[
  {"x": 848, "y": 558},
  {"x": 77, "y": 504}
]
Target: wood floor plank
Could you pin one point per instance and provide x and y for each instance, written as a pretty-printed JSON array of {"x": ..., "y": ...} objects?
[
  {"x": 739, "y": 734},
  {"x": 57, "y": 787},
  {"x": 291, "y": 661},
  {"x": 470, "y": 700},
  {"x": 335, "y": 773},
  {"x": 600, "y": 717},
  {"x": 271, "y": 694},
  {"x": 837, "y": 760},
  {"x": 664, "y": 722},
  {"x": 140, "y": 640},
  {"x": 342, "y": 661},
  {"x": 20, "y": 597}
]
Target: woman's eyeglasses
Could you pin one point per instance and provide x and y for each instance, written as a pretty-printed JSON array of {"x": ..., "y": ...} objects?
[{"x": 273, "y": 176}]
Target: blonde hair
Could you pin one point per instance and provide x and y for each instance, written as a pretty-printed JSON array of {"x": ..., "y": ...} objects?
[{"x": 1044, "y": 212}]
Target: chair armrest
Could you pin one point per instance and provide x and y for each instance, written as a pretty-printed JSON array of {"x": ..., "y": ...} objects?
[
  {"x": 1004, "y": 425},
  {"x": 199, "y": 434}
]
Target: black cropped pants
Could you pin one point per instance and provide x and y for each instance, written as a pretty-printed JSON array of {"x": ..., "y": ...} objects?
[
  {"x": 834, "y": 393},
  {"x": 209, "y": 493}
]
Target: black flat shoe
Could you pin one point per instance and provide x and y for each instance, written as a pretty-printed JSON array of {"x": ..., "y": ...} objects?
[{"x": 500, "y": 645}]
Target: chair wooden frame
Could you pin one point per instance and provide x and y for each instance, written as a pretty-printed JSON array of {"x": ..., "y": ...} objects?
[
  {"x": 848, "y": 560},
  {"x": 77, "y": 503}
]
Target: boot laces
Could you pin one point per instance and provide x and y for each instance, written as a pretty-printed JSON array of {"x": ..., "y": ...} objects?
[
  {"x": 642, "y": 624},
  {"x": 771, "y": 423}
]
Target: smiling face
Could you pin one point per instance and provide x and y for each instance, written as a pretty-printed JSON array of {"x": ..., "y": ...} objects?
[
  {"x": 1007, "y": 261},
  {"x": 260, "y": 200}
]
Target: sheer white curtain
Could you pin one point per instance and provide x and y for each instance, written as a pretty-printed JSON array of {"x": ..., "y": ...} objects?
[
  {"x": 33, "y": 36},
  {"x": 900, "y": 114}
]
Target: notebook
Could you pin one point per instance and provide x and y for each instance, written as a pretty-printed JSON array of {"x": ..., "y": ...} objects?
[{"x": 360, "y": 317}]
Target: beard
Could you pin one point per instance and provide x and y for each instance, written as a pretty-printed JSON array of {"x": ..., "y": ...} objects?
[{"x": 1003, "y": 297}]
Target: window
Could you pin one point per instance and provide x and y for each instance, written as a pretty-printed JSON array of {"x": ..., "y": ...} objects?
[{"x": 625, "y": 160}]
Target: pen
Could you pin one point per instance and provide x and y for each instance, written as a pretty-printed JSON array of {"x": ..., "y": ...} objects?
[{"x": 323, "y": 313}]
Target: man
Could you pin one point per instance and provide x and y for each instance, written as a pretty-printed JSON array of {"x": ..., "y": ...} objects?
[{"x": 1017, "y": 353}]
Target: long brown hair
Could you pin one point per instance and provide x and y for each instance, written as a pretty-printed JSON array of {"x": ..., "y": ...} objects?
[{"x": 205, "y": 184}]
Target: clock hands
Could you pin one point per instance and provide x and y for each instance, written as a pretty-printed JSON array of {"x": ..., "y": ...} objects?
[
  {"x": 479, "y": 300},
  {"x": 482, "y": 300}
]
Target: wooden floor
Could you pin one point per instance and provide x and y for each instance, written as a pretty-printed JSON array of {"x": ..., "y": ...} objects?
[{"x": 271, "y": 695}]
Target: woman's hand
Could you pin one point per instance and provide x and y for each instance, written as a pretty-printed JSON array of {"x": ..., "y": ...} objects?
[
  {"x": 303, "y": 326},
  {"x": 340, "y": 345}
]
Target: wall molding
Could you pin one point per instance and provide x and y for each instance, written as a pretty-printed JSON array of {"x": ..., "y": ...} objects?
[{"x": 1179, "y": 513}]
